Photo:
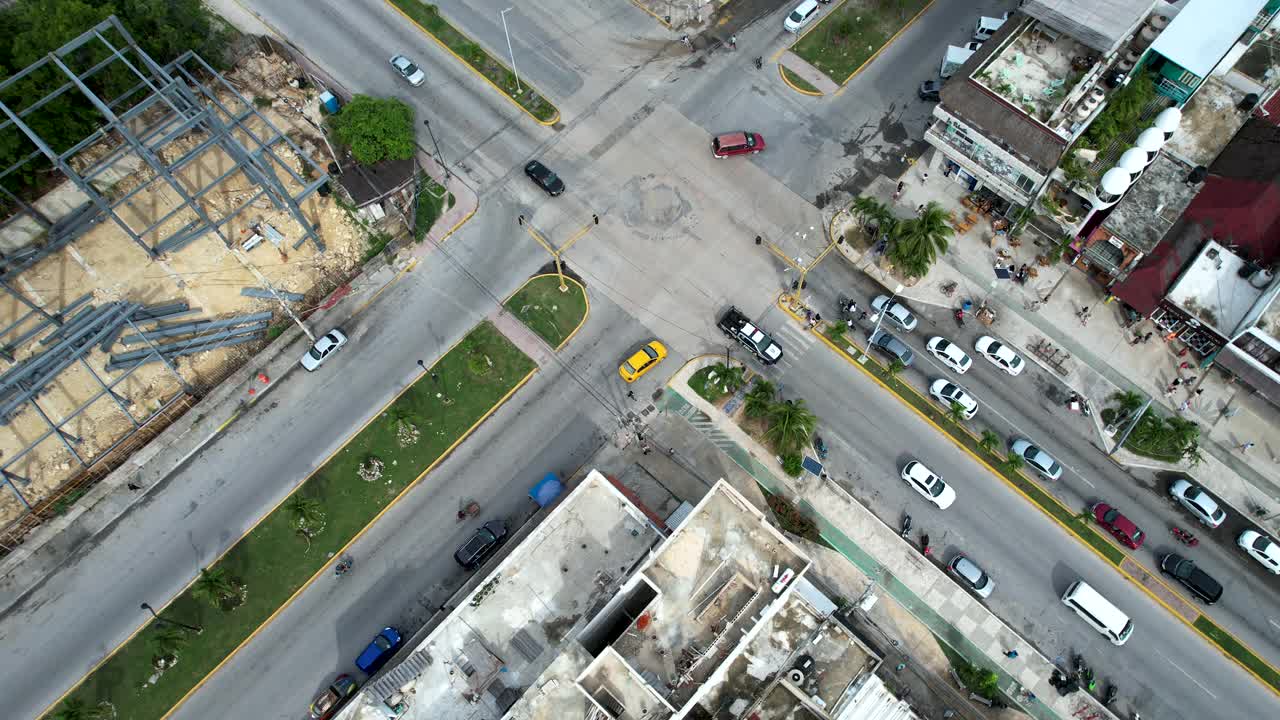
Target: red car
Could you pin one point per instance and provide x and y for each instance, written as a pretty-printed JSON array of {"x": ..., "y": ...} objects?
[
  {"x": 737, "y": 143},
  {"x": 1120, "y": 526}
]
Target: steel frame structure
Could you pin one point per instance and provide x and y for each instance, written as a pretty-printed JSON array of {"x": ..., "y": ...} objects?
[{"x": 182, "y": 99}]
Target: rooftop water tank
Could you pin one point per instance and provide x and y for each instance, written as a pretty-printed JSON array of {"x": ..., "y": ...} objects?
[
  {"x": 1167, "y": 121},
  {"x": 1133, "y": 161},
  {"x": 1113, "y": 185},
  {"x": 1150, "y": 141}
]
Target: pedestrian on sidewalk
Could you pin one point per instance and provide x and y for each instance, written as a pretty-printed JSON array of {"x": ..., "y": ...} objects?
[
  {"x": 134, "y": 486},
  {"x": 1147, "y": 338},
  {"x": 898, "y": 193},
  {"x": 631, "y": 395},
  {"x": 1186, "y": 404},
  {"x": 1244, "y": 447},
  {"x": 1190, "y": 379},
  {"x": 920, "y": 210},
  {"x": 1230, "y": 412},
  {"x": 924, "y": 176},
  {"x": 1136, "y": 339},
  {"x": 1011, "y": 654},
  {"x": 645, "y": 449},
  {"x": 1184, "y": 365}
]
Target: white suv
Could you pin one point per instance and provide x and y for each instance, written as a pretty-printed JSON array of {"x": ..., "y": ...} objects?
[{"x": 805, "y": 13}]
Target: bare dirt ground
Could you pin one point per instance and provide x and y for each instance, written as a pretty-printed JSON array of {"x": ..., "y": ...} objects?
[{"x": 205, "y": 273}]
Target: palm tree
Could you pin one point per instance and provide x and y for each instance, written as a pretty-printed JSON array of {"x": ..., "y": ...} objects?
[
  {"x": 307, "y": 512},
  {"x": 1128, "y": 401},
  {"x": 1012, "y": 464},
  {"x": 167, "y": 640},
  {"x": 733, "y": 378},
  {"x": 875, "y": 215},
  {"x": 956, "y": 413},
  {"x": 989, "y": 441},
  {"x": 895, "y": 367},
  {"x": 1184, "y": 435},
  {"x": 215, "y": 587},
  {"x": 918, "y": 242},
  {"x": 791, "y": 423},
  {"x": 760, "y": 399}
]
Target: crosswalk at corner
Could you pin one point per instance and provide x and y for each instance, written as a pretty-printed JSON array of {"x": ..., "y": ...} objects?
[{"x": 795, "y": 341}]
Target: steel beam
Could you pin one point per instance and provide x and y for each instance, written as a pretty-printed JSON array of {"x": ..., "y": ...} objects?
[{"x": 194, "y": 327}]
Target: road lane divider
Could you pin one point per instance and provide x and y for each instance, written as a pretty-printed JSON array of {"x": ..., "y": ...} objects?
[{"x": 1033, "y": 492}]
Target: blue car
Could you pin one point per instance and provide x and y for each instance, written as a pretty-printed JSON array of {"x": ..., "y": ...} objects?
[{"x": 384, "y": 645}]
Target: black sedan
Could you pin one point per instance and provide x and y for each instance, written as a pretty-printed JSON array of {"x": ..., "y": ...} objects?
[{"x": 542, "y": 175}]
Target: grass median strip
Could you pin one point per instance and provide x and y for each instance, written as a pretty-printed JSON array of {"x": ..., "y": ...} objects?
[
  {"x": 1239, "y": 652},
  {"x": 162, "y": 663},
  {"x": 552, "y": 314},
  {"x": 429, "y": 19},
  {"x": 850, "y": 35},
  {"x": 1048, "y": 503}
]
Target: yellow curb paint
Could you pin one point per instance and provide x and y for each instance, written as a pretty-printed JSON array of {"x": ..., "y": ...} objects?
[
  {"x": 1069, "y": 529},
  {"x": 655, "y": 15},
  {"x": 442, "y": 457},
  {"x": 492, "y": 84},
  {"x": 585, "y": 299},
  {"x": 782, "y": 73},
  {"x": 887, "y": 43},
  {"x": 275, "y": 507},
  {"x": 461, "y": 222}
]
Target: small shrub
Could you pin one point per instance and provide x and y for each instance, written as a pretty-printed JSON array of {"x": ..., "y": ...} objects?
[
  {"x": 792, "y": 464},
  {"x": 792, "y": 520},
  {"x": 371, "y": 469}
]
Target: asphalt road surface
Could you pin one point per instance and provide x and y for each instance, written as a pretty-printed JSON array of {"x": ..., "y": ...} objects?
[
  {"x": 672, "y": 250},
  {"x": 1029, "y": 406},
  {"x": 1165, "y": 669}
]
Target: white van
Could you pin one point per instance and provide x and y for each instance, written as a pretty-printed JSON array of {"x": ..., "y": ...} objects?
[
  {"x": 1098, "y": 612},
  {"x": 987, "y": 26}
]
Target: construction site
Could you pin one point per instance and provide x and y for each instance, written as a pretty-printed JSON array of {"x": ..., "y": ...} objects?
[{"x": 164, "y": 249}]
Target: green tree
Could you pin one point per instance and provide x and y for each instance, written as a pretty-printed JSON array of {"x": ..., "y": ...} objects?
[
  {"x": 1012, "y": 464},
  {"x": 791, "y": 423},
  {"x": 989, "y": 441},
  {"x": 760, "y": 399},
  {"x": 956, "y": 413},
  {"x": 307, "y": 512},
  {"x": 874, "y": 216},
  {"x": 792, "y": 464},
  {"x": 375, "y": 129},
  {"x": 215, "y": 587},
  {"x": 167, "y": 639},
  {"x": 1127, "y": 401},
  {"x": 895, "y": 367},
  {"x": 918, "y": 242}
]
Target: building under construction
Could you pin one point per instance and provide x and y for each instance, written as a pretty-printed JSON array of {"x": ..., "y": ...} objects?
[{"x": 176, "y": 227}]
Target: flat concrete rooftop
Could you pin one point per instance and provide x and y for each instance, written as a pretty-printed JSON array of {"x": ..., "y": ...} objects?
[
  {"x": 1211, "y": 289},
  {"x": 1033, "y": 71}
]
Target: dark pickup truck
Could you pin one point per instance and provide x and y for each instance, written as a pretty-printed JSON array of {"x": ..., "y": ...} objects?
[{"x": 740, "y": 328}]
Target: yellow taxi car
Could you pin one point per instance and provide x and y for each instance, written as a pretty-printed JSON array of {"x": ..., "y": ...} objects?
[{"x": 644, "y": 360}]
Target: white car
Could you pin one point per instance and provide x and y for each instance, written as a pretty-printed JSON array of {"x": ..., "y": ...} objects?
[
  {"x": 950, "y": 354},
  {"x": 1041, "y": 461},
  {"x": 1000, "y": 355},
  {"x": 1197, "y": 502},
  {"x": 323, "y": 348},
  {"x": 895, "y": 312},
  {"x": 410, "y": 72},
  {"x": 930, "y": 486},
  {"x": 948, "y": 392},
  {"x": 1262, "y": 548},
  {"x": 805, "y": 13}
]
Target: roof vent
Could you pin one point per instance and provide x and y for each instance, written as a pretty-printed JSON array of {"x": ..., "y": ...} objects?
[{"x": 1198, "y": 175}]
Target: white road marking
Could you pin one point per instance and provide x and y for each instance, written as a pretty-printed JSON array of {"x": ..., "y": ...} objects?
[
  {"x": 1273, "y": 622},
  {"x": 1086, "y": 480},
  {"x": 1189, "y": 676}
]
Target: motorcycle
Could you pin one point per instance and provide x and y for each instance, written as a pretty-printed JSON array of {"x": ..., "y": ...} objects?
[
  {"x": 820, "y": 447},
  {"x": 344, "y": 566},
  {"x": 1185, "y": 537},
  {"x": 924, "y": 545},
  {"x": 906, "y": 526},
  {"x": 959, "y": 316},
  {"x": 1112, "y": 692},
  {"x": 1088, "y": 680},
  {"x": 1083, "y": 404}
]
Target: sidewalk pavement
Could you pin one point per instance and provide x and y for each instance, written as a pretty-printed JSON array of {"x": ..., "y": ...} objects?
[
  {"x": 1097, "y": 359},
  {"x": 902, "y": 572},
  {"x": 809, "y": 73}
]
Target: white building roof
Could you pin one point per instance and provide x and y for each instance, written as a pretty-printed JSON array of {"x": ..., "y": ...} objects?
[
  {"x": 1211, "y": 289},
  {"x": 1204, "y": 31},
  {"x": 1100, "y": 24}
]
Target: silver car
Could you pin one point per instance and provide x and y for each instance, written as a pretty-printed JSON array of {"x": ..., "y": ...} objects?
[
  {"x": 324, "y": 346},
  {"x": 972, "y": 576},
  {"x": 410, "y": 72},
  {"x": 1039, "y": 460},
  {"x": 1197, "y": 502},
  {"x": 895, "y": 312}
]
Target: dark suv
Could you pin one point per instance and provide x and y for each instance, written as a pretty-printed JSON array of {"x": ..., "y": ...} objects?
[
  {"x": 1192, "y": 578},
  {"x": 481, "y": 545}
]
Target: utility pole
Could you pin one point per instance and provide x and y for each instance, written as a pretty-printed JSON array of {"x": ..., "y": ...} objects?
[
  {"x": 558, "y": 253},
  {"x": 511, "y": 53},
  {"x": 802, "y": 269},
  {"x": 193, "y": 628},
  {"x": 439, "y": 157}
]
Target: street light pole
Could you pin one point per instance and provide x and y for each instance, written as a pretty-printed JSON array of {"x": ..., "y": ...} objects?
[
  {"x": 439, "y": 157},
  {"x": 511, "y": 53},
  {"x": 193, "y": 628},
  {"x": 556, "y": 253}
]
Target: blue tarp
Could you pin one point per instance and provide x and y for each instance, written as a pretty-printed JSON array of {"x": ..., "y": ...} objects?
[{"x": 547, "y": 490}]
